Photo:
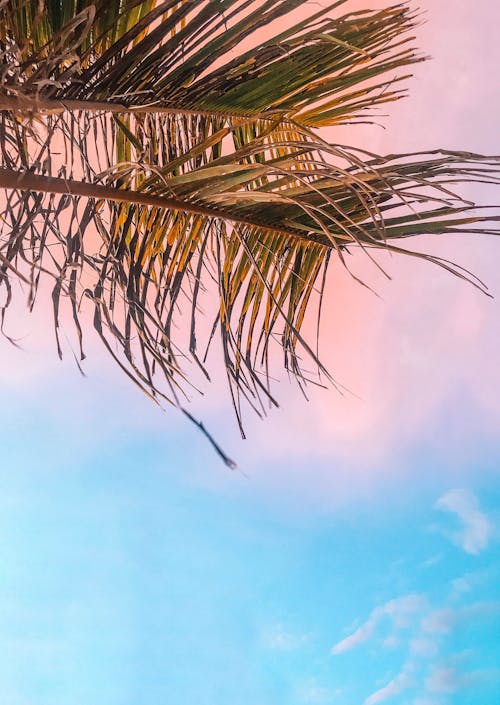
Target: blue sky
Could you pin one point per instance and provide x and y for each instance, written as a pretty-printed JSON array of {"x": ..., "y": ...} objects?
[
  {"x": 124, "y": 579},
  {"x": 354, "y": 557}
]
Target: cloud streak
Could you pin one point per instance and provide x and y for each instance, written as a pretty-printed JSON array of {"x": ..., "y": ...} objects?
[
  {"x": 476, "y": 531},
  {"x": 401, "y": 682},
  {"x": 444, "y": 621},
  {"x": 278, "y": 638},
  {"x": 398, "y": 610},
  {"x": 447, "y": 679}
]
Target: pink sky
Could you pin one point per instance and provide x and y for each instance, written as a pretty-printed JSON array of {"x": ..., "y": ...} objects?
[{"x": 430, "y": 341}]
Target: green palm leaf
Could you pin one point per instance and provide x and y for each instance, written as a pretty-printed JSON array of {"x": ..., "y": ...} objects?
[{"x": 152, "y": 168}]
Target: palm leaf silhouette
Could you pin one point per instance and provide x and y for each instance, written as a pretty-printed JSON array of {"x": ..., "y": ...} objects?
[{"x": 152, "y": 166}]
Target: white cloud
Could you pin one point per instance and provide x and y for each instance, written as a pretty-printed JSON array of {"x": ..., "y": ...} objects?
[
  {"x": 399, "y": 611},
  {"x": 277, "y": 638},
  {"x": 476, "y": 531},
  {"x": 403, "y": 608},
  {"x": 447, "y": 678},
  {"x": 362, "y": 634},
  {"x": 391, "y": 642},
  {"x": 444, "y": 679},
  {"x": 461, "y": 585},
  {"x": 397, "y": 685},
  {"x": 317, "y": 694},
  {"x": 440, "y": 621},
  {"x": 423, "y": 647},
  {"x": 432, "y": 561},
  {"x": 443, "y": 621}
]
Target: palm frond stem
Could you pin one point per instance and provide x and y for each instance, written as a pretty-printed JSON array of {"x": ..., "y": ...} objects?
[
  {"x": 28, "y": 104},
  {"x": 28, "y": 181}
]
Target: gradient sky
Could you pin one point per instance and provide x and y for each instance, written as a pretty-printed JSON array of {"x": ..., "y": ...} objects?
[{"x": 354, "y": 557}]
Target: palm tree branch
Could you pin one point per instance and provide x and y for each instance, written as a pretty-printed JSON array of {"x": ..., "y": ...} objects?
[
  {"x": 151, "y": 162},
  {"x": 176, "y": 57}
]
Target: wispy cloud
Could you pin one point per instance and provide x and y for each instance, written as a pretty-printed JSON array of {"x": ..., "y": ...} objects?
[
  {"x": 362, "y": 634},
  {"x": 277, "y": 638},
  {"x": 468, "y": 582},
  {"x": 317, "y": 694},
  {"x": 432, "y": 561},
  {"x": 475, "y": 533},
  {"x": 391, "y": 641},
  {"x": 401, "y": 682},
  {"x": 423, "y": 647},
  {"x": 440, "y": 621},
  {"x": 461, "y": 585},
  {"x": 448, "y": 678},
  {"x": 443, "y": 621},
  {"x": 444, "y": 679},
  {"x": 398, "y": 610}
]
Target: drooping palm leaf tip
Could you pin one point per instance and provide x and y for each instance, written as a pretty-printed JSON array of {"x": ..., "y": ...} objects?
[{"x": 148, "y": 161}]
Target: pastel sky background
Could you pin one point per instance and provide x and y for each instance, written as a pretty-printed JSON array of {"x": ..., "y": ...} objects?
[{"x": 353, "y": 559}]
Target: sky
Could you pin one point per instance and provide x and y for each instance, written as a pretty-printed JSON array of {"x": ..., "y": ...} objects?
[{"x": 353, "y": 557}]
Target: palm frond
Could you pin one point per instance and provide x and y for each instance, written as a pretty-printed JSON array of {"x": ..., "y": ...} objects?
[
  {"x": 177, "y": 55},
  {"x": 150, "y": 169}
]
